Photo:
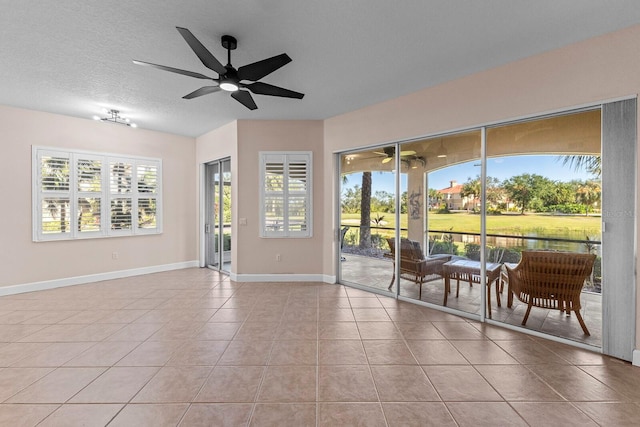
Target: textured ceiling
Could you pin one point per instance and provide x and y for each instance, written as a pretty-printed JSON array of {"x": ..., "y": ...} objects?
[{"x": 74, "y": 57}]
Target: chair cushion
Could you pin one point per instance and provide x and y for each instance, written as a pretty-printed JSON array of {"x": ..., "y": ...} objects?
[{"x": 417, "y": 250}]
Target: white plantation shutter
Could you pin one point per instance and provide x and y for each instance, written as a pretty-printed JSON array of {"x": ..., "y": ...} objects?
[
  {"x": 89, "y": 193},
  {"x": 147, "y": 178},
  {"x": 285, "y": 184},
  {"x": 134, "y": 187},
  {"x": 78, "y": 194},
  {"x": 274, "y": 195},
  {"x": 298, "y": 200},
  {"x": 120, "y": 196},
  {"x": 52, "y": 194}
]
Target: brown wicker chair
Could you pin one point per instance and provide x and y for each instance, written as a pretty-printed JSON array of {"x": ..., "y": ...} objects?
[
  {"x": 414, "y": 266},
  {"x": 551, "y": 280}
]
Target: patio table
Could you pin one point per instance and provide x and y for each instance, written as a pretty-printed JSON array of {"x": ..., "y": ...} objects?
[{"x": 469, "y": 271}]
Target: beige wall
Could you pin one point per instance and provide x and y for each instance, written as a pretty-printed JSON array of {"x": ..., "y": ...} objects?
[
  {"x": 589, "y": 72},
  {"x": 243, "y": 140},
  {"x": 23, "y": 261},
  {"x": 217, "y": 144},
  {"x": 258, "y": 255}
]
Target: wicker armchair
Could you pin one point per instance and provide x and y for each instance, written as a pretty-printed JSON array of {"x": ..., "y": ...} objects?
[
  {"x": 414, "y": 266},
  {"x": 551, "y": 280}
]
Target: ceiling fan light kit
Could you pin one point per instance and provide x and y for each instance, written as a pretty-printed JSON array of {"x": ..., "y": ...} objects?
[
  {"x": 228, "y": 86},
  {"x": 229, "y": 78},
  {"x": 389, "y": 153}
]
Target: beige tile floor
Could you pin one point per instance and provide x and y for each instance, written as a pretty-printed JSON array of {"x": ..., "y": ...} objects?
[{"x": 191, "y": 348}]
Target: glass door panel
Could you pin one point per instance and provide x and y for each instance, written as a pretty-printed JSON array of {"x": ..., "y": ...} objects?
[
  {"x": 441, "y": 219},
  {"x": 212, "y": 191},
  {"x": 367, "y": 217},
  {"x": 225, "y": 215},
  {"x": 543, "y": 192},
  {"x": 218, "y": 215}
]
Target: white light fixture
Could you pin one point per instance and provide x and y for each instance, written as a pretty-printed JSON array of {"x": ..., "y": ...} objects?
[
  {"x": 442, "y": 152},
  {"x": 229, "y": 86},
  {"x": 115, "y": 117}
]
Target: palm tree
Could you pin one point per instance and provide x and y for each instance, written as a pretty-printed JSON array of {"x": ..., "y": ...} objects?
[
  {"x": 588, "y": 194},
  {"x": 365, "y": 211},
  {"x": 435, "y": 198},
  {"x": 592, "y": 164},
  {"x": 472, "y": 190}
]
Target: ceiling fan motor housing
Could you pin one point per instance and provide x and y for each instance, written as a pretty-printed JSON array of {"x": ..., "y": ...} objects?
[{"x": 229, "y": 42}]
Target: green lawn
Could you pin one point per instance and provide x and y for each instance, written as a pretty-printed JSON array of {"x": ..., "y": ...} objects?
[{"x": 541, "y": 225}]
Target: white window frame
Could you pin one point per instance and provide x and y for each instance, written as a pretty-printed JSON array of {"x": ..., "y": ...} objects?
[
  {"x": 286, "y": 158},
  {"x": 73, "y": 193}
]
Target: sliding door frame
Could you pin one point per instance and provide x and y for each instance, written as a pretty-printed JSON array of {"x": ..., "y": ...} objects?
[{"x": 618, "y": 153}]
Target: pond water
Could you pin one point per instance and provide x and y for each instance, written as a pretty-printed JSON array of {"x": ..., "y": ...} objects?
[{"x": 574, "y": 241}]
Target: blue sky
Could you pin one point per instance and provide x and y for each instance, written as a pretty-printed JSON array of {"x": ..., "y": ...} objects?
[{"x": 501, "y": 168}]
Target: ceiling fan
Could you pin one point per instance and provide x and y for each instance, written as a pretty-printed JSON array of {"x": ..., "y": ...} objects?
[
  {"x": 229, "y": 78},
  {"x": 389, "y": 152}
]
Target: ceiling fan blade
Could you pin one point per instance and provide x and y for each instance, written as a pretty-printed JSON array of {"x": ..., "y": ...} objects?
[
  {"x": 259, "y": 69},
  {"x": 244, "y": 98},
  {"x": 173, "y": 70},
  {"x": 387, "y": 159},
  {"x": 198, "y": 48},
  {"x": 407, "y": 153},
  {"x": 202, "y": 91},
  {"x": 267, "y": 89}
]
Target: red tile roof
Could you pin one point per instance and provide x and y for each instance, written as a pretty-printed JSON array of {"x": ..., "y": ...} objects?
[{"x": 456, "y": 189}]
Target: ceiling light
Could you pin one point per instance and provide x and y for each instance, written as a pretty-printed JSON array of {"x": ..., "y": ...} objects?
[
  {"x": 115, "y": 117},
  {"x": 442, "y": 152},
  {"x": 229, "y": 86}
]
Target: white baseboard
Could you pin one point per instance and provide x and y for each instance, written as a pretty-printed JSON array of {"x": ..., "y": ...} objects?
[
  {"x": 282, "y": 278},
  {"x": 80, "y": 280},
  {"x": 636, "y": 357}
]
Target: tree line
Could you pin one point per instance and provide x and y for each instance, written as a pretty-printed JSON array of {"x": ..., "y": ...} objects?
[{"x": 525, "y": 192}]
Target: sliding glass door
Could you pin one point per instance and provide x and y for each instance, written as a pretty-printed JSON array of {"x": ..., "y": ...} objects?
[
  {"x": 218, "y": 215},
  {"x": 442, "y": 219}
]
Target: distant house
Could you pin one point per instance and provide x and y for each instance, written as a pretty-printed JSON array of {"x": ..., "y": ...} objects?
[{"x": 452, "y": 196}]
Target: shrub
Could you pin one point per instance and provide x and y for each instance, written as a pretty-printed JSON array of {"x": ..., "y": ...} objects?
[
  {"x": 378, "y": 241},
  {"x": 226, "y": 242},
  {"x": 472, "y": 251},
  {"x": 444, "y": 248},
  {"x": 567, "y": 208}
]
